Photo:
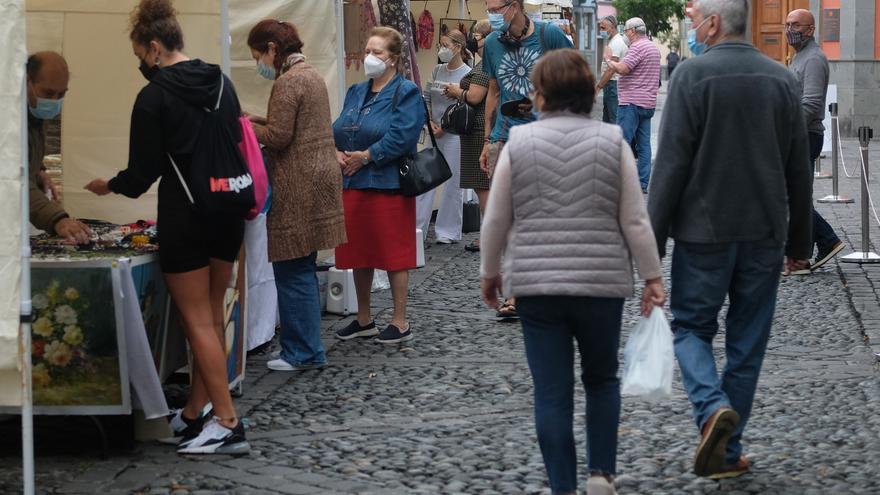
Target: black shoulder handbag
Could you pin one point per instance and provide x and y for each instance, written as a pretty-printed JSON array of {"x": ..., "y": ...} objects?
[
  {"x": 459, "y": 118},
  {"x": 425, "y": 170}
]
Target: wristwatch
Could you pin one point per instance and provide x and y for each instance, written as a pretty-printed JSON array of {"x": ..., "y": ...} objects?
[{"x": 365, "y": 160}]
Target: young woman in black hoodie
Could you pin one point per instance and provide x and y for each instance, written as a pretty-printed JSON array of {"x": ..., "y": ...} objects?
[{"x": 196, "y": 251}]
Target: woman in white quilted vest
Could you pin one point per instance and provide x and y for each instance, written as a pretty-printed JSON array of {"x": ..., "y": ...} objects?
[{"x": 566, "y": 209}]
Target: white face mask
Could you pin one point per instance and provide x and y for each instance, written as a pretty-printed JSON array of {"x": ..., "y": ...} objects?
[
  {"x": 445, "y": 55},
  {"x": 374, "y": 66}
]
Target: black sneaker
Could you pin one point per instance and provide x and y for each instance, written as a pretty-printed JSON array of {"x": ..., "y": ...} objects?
[
  {"x": 393, "y": 335},
  {"x": 194, "y": 428},
  {"x": 218, "y": 439},
  {"x": 354, "y": 329},
  {"x": 824, "y": 256},
  {"x": 183, "y": 428}
]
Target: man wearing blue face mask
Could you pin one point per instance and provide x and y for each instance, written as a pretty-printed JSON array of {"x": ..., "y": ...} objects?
[
  {"x": 47, "y": 78},
  {"x": 732, "y": 186},
  {"x": 511, "y": 52}
]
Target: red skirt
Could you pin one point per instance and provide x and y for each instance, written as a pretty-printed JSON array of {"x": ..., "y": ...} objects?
[{"x": 381, "y": 230}]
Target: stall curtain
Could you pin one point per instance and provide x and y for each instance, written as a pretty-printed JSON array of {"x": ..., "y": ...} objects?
[
  {"x": 394, "y": 14},
  {"x": 356, "y": 39},
  {"x": 12, "y": 57}
]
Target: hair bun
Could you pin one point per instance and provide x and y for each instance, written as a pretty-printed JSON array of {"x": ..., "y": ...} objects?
[{"x": 150, "y": 11}]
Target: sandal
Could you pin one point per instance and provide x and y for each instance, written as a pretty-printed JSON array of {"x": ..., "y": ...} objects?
[
  {"x": 507, "y": 312},
  {"x": 473, "y": 247}
]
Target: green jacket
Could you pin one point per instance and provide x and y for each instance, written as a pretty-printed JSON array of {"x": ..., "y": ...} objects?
[{"x": 44, "y": 213}]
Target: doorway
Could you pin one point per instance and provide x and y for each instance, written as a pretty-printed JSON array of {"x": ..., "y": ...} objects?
[{"x": 768, "y": 34}]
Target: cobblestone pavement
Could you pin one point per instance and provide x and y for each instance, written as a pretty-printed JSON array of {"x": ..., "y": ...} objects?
[{"x": 451, "y": 412}]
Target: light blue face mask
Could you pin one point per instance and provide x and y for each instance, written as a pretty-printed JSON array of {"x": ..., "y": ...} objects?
[
  {"x": 265, "y": 71},
  {"x": 46, "y": 108},
  {"x": 696, "y": 47},
  {"x": 498, "y": 23},
  {"x": 603, "y": 35}
]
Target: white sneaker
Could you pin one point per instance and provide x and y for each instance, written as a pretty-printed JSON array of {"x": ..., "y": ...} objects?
[
  {"x": 445, "y": 240},
  {"x": 598, "y": 485},
  {"x": 282, "y": 365},
  {"x": 218, "y": 439}
]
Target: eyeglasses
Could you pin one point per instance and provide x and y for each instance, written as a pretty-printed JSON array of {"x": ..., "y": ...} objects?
[
  {"x": 795, "y": 26},
  {"x": 500, "y": 10}
]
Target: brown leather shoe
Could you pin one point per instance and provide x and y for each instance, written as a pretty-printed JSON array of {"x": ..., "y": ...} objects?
[
  {"x": 739, "y": 468},
  {"x": 713, "y": 441}
]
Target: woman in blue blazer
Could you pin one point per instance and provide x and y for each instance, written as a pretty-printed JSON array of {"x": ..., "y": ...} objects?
[{"x": 379, "y": 126}]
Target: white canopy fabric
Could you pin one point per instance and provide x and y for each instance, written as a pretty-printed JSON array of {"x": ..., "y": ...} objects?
[
  {"x": 561, "y": 3},
  {"x": 12, "y": 57},
  {"x": 316, "y": 22}
]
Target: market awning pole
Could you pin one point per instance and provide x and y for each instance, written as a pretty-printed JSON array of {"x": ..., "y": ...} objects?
[
  {"x": 225, "y": 39},
  {"x": 27, "y": 404},
  {"x": 340, "y": 53}
]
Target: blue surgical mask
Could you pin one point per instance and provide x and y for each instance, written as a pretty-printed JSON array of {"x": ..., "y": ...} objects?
[
  {"x": 46, "y": 109},
  {"x": 696, "y": 47},
  {"x": 603, "y": 35},
  {"x": 265, "y": 71},
  {"x": 498, "y": 23}
]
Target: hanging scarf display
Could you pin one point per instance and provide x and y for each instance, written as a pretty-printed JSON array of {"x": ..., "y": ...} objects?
[
  {"x": 394, "y": 14},
  {"x": 426, "y": 30},
  {"x": 356, "y": 39}
]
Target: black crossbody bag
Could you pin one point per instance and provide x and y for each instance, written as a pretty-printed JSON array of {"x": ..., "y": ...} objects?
[{"x": 424, "y": 170}]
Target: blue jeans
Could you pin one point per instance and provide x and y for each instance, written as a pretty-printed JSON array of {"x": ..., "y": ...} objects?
[
  {"x": 823, "y": 235},
  {"x": 609, "y": 102},
  {"x": 300, "y": 309},
  {"x": 636, "y": 124},
  {"x": 702, "y": 275},
  {"x": 550, "y": 325}
]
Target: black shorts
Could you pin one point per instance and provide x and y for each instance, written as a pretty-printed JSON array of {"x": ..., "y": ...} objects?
[{"x": 187, "y": 240}]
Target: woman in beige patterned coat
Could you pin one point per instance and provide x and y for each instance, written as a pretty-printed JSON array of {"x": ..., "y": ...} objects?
[{"x": 306, "y": 213}]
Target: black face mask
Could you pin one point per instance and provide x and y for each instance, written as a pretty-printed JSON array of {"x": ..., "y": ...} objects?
[
  {"x": 148, "y": 71},
  {"x": 472, "y": 44}
]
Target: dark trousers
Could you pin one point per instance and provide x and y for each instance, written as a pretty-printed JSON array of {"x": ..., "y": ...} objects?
[
  {"x": 823, "y": 235},
  {"x": 551, "y": 326},
  {"x": 609, "y": 102}
]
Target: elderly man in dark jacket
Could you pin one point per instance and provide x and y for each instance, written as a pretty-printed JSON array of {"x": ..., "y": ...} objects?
[{"x": 732, "y": 186}]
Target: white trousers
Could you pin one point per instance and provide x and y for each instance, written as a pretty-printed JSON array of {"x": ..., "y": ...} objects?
[{"x": 449, "y": 216}]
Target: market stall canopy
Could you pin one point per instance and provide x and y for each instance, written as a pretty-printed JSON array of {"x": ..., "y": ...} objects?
[
  {"x": 561, "y": 3},
  {"x": 93, "y": 37},
  {"x": 12, "y": 57}
]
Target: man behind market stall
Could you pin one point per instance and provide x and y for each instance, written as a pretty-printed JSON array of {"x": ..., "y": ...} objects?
[
  {"x": 511, "y": 52},
  {"x": 47, "y": 78}
]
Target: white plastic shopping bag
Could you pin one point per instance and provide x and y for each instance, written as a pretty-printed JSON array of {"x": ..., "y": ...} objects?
[{"x": 648, "y": 359}]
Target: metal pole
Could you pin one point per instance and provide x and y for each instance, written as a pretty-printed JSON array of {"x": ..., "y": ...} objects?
[
  {"x": 340, "y": 55},
  {"x": 27, "y": 400},
  {"x": 835, "y": 196},
  {"x": 865, "y": 255},
  {"x": 225, "y": 39},
  {"x": 817, "y": 172}
]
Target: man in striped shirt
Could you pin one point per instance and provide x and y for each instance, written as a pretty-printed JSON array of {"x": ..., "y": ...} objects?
[{"x": 637, "y": 92}]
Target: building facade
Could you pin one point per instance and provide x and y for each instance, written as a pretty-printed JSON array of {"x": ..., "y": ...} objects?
[{"x": 847, "y": 31}]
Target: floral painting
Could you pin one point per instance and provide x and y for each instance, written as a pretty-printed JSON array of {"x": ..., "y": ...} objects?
[{"x": 75, "y": 350}]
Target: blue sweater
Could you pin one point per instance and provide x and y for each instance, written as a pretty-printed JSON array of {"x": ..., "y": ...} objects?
[{"x": 390, "y": 135}]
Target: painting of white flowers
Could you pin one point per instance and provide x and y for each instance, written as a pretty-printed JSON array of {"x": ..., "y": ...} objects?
[{"x": 74, "y": 338}]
